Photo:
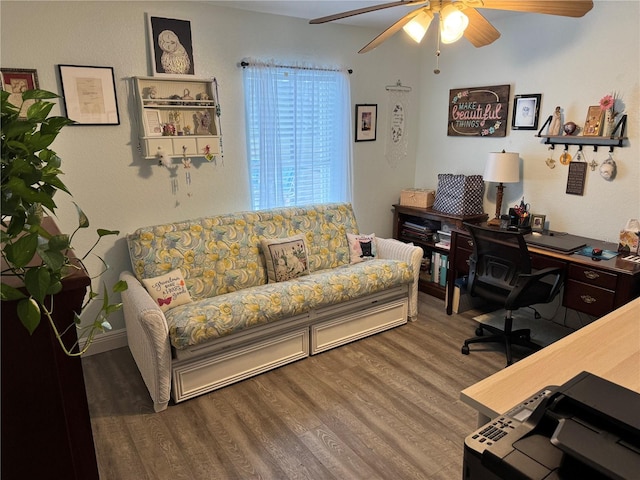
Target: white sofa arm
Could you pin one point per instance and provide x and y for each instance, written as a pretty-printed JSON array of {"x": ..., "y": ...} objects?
[
  {"x": 397, "y": 250},
  {"x": 148, "y": 338}
]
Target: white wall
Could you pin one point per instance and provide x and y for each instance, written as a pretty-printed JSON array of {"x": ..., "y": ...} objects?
[
  {"x": 102, "y": 165},
  {"x": 572, "y": 63}
]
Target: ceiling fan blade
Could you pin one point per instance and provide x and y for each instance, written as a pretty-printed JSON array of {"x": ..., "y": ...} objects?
[
  {"x": 565, "y": 8},
  {"x": 358, "y": 11},
  {"x": 479, "y": 32},
  {"x": 389, "y": 32}
]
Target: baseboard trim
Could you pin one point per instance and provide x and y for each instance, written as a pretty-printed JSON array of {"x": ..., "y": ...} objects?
[{"x": 107, "y": 341}]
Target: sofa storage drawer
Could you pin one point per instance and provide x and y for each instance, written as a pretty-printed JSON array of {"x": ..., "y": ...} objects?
[
  {"x": 341, "y": 330},
  {"x": 588, "y": 299},
  {"x": 593, "y": 276},
  {"x": 194, "y": 378}
]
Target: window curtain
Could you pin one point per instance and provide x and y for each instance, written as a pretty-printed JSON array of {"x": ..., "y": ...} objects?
[{"x": 298, "y": 132}]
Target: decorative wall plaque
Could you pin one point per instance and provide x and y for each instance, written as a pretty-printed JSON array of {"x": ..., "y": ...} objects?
[
  {"x": 478, "y": 111},
  {"x": 576, "y": 178}
]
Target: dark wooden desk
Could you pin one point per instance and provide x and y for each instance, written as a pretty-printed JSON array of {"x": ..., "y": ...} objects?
[{"x": 592, "y": 286}]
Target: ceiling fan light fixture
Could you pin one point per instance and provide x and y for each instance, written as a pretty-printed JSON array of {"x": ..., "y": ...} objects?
[
  {"x": 453, "y": 23},
  {"x": 419, "y": 25}
]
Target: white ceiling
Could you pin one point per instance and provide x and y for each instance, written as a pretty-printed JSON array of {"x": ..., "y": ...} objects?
[{"x": 309, "y": 9}]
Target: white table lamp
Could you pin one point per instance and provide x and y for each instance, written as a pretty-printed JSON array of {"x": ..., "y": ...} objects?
[{"x": 502, "y": 167}]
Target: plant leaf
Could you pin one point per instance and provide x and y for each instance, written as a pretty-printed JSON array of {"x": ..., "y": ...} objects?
[
  {"x": 83, "y": 220},
  {"x": 29, "y": 314},
  {"x": 8, "y": 293},
  {"x": 120, "y": 286},
  {"x": 37, "y": 280},
  {"x": 102, "y": 232},
  {"x": 20, "y": 252}
]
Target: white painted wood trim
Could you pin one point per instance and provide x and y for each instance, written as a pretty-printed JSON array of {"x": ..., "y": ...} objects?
[{"x": 106, "y": 341}]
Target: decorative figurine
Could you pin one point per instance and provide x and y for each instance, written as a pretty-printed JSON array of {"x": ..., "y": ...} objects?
[{"x": 554, "y": 128}]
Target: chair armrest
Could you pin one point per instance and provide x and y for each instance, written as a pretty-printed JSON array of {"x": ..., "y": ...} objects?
[
  {"x": 148, "y": 338},
  {"x": 528, "y": 280},
  {"x": 394, "y": 249}
]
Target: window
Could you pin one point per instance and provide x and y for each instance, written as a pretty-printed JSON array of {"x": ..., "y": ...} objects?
[{"x": 298, "y": 122}]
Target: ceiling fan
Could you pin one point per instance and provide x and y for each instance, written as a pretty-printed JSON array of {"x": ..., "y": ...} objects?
[{"x": 459, "y": 17}]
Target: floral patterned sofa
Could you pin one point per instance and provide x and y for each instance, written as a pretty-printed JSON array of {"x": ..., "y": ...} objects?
[{"x": 215, "y": 300}]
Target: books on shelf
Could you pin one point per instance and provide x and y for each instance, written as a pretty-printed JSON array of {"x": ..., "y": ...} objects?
[{"x": 439, "y": 268}]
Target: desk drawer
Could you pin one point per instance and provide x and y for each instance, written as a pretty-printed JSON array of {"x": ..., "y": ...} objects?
[
  {"x": 592, "y": 276},
  {"x": 588, "y": 298},
  {"x": 464, "y": 247},
  {"x": 538, "y": 262}
]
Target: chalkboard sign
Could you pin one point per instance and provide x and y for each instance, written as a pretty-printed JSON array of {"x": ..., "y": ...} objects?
[
  {"x": 478, "y": 111},
  {"x": 576, "y": 178}
]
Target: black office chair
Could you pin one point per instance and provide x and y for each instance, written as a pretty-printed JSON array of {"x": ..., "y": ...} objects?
[{"x": 500, "y": 272}]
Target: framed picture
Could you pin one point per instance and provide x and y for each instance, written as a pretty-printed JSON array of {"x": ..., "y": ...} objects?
[
  {"x": 366, "y": 122},
  {"x": 89, "y": 94},
  {"x": 152, "y": 123},
  {"x": 18, "y": 80},
  {"x": 537, "y": 222},
  {"x": 525, "y": 111},
  {"x": 593, "y": 124},
  {"x": 171, "y": 47}
]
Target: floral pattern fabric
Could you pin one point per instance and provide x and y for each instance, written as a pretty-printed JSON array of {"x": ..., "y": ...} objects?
[
  {"x": 220, "y": 255},
  {"x": 222, "y": 315}
]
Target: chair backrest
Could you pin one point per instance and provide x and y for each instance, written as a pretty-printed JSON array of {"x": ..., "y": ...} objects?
[{"x": 498, "y": 257}]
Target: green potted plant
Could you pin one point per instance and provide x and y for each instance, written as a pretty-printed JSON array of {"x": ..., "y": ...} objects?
[
  {"x": 30, "y": 179},
  {"x": 46, "y": 428}
]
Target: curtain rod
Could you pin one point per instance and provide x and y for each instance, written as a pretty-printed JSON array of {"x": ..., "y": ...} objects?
[{"x": 244, "y": 63}]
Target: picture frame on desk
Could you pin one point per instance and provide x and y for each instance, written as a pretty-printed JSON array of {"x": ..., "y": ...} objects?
[{"x": 537, "y": 222}]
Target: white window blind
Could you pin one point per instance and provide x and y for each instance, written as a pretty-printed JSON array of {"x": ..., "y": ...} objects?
[{"x": 298, "y": 123}]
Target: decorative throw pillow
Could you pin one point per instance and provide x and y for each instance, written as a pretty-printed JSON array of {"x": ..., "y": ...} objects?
[
  {"x": 361, "y": 247},
  {"x": 168, "y": 290},
  {"x": 286, "y": 257}
]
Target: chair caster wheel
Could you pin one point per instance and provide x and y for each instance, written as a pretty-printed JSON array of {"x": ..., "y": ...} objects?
[
  {"x": 465, "y": 350},
  {"x": 479, "y": 331}
]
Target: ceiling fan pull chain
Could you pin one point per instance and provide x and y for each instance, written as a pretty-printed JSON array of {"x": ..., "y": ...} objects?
[{"x": 437, "y": 69}]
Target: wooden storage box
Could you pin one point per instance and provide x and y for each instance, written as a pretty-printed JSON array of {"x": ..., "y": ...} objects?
[{"x": 417, "y": 197}]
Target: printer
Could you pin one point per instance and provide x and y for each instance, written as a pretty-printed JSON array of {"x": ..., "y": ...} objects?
[{"x": 588, "y": 428}]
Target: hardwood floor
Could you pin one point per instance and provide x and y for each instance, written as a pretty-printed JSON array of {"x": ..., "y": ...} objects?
[{"x": 385, "y": 407}]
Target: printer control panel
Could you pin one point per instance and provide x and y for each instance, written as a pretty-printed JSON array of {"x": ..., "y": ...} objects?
[{"x": 500, "y": 427}]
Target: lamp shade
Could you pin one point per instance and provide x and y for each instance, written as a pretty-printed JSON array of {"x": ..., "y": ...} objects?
[
  {"x": 453, "y": 23},
  {"x": 502, "y": 167},
  {"x": 419, "y": 25}
]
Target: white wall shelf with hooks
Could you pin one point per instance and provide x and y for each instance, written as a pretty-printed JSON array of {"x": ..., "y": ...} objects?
[{"x": 179, "y": 116}]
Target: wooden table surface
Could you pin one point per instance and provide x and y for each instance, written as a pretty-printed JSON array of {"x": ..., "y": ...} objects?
[{"x": 608, "y": 347}]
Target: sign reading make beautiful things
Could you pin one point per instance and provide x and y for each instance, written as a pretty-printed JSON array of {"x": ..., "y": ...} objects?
[{"x": 478, "y": 111}]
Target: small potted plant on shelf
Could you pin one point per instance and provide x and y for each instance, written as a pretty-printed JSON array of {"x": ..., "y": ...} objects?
[{"x": 36, "y": 259}]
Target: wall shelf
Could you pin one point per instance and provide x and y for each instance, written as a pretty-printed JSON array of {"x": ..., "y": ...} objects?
[
  {"x": 189, "y": 106},
  {"x": 615, "y": 140}
]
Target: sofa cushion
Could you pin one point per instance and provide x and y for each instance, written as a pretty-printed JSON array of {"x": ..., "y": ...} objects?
[
  {"x": 168, "y": 291},
  {"x": 286, "y": 258},
  {"x": 361, "y": 247},
  {"x": 222, "y": 315}
]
